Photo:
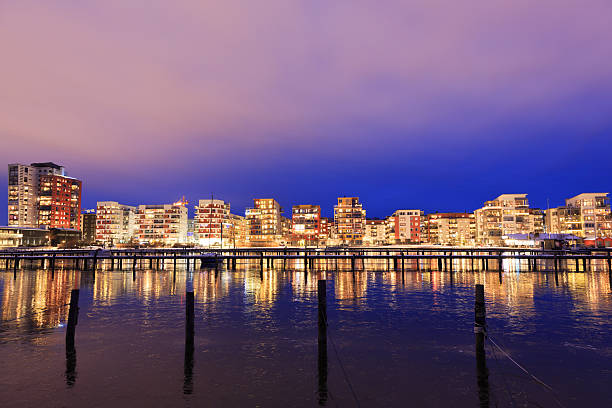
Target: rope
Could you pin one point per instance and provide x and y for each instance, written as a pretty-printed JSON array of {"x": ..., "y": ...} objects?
[
  {"x": 344, "y": 373},
  {"x": 503, "y": 375},
  {"x": 533, "y": 377}
]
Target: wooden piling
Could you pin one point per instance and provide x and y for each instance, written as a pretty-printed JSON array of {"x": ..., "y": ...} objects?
[
  {"x": 480, "y": 314},
  {"x": 189, "y": 343},
  {"x": 322, "y": 341},
  {"x": 480, "y": 329},
  {"x": 73, "y": 316},
  {"x": 73, "y": 313}
]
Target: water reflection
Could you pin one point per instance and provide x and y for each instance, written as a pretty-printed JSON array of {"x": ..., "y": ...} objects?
[
  {"x": 35, "y": 300},
  {"x": 396, "y": 332}
]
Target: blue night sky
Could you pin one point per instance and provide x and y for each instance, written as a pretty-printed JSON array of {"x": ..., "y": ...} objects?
[{"x": 415, "y": 104}]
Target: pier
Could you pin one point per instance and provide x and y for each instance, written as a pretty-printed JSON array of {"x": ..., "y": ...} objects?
[{"x": 353, "y": 259}]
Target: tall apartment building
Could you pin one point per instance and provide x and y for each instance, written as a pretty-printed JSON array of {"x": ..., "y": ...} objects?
[
  {"x": 115, "y": 223},
  {"x": 349, "y": 219},
  {"x": 507, "y": 214},
  {"x": 162, "y": 224},
  {"x": 404, "y": 227},
  {"x": 325, "y": 231},
  {"x": 236, "y": 233},
  {"x": 59, "y": 202},
  {"x": 23, "y": 191},
  {"x": 375, "y": 232},
  {"x": 306, "y": 223},
  {"x": 88, "y": 226},
  {"x": 264, "y": 223},
  {"x": 586, "y": 215},
  {"x": 455, "y": 229},
  {"x": 211, "y": 220}
]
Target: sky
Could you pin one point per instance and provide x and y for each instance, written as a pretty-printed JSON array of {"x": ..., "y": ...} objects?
[{"x": 428, "y": 104}]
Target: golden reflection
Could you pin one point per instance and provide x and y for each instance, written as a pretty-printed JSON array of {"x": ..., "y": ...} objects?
[{"x": 38, "y": 299}]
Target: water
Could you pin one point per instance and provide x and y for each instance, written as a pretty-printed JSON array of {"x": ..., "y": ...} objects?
[{"x": 394, "y": 340}]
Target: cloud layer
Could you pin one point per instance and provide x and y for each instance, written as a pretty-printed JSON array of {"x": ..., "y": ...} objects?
[{"x": 123, "y": 87}]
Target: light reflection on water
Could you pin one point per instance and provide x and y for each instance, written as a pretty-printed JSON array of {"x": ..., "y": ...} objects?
[{"x": 401, "y": 338}]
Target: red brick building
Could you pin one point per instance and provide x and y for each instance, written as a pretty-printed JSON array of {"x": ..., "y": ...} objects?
[{"x": 59, "y": 202}]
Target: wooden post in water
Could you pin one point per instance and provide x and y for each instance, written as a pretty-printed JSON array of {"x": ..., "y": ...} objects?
[
  {"x": 15, "y": 266},
  {"x": 353, "y": 264},
  {"x": 322, "y": 360},
  {"x": 439, "y": 263},
  {"x": 189, "y": 344},
  {"x": 480, "y": 331},
  {"x": 73, "y": 314}
]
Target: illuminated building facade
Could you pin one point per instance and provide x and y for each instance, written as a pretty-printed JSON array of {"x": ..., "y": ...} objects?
[
  {"x": 162, "y": 224},
  {"x": 404, "y": 227},
  {"x": 507, "y": 214},
  {"x": 586, "y": 215},
  {"x": 88, "y": 226},
  {"x": 236, "y": 231},
  {"x": 211, "y": 221},
  {"x": 455, "y": 229},
  {"x": 375, "y": 232},
  {"x": 59, "y": 202},
  {"x": 23, "y": 191},
  {"x": 115, "y": 223},
  {"x": 264, "y": 223},
  {"x": 326, "y": 229},
  {"x": 306, "y": 224},
  {"x": 349, "y": 219}
]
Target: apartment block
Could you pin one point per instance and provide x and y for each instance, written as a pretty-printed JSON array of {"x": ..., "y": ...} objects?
[
  {"x": 404, "y": 227},
  {"x": 264, "y": 223},
  {"x": 375, "y": 232},
  {"x": 586, "y": 215},
  {"x": 88, "y": 226},
  {"x": 237, "y": 232},
  {"x": 115, "y": 223},
  {"x": 325, "y": 231},
  {"x": 211, "y": 221},
  {"x": 23, "y": 191},
  {"x": 305, "y": 224},
  {"x": 162, "y": 224},
  {"x": 454, "y": 229},
  {"x": 349, "y": 219},
  {"x": 59, "y": 202},
  {"x": 507, "y": 214}
]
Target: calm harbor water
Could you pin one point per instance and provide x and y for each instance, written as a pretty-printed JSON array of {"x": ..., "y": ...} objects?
[{"x": 393, "y": 339}]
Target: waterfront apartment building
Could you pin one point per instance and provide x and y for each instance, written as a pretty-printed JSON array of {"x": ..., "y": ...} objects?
[
  {"x": 162, "y": 224},
  {"x": 88, "y": 226},
  {"x": 305, "y": 224},
  {"x": 264, "y": 223},
  {"x": 236, "y": 232},
  {"x": 455, "y": 229},
  {"x": 325, "y": 231},
  {"x": 115, "y": 223},
  {"x": 375, "y": 232},
  {"x": 59, "y": 202},
  {"x": 586, "y": 215},
  {"x": 507, "y": 214},
  {"x": 349, "y": 219},
  {"x": 211, "y": 221},
  {"x": 23, "y": 191},
  {"x": 404, "y": 227}
]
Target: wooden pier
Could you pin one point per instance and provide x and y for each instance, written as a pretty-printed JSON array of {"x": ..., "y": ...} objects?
[{"x": 352, "y": 259}]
